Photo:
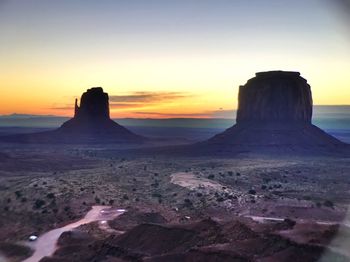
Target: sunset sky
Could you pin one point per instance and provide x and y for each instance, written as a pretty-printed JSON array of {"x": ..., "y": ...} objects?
[{"x": 165, "y": 58}]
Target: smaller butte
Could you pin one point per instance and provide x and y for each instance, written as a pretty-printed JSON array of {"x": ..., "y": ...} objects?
[{"x": 91, "y": 124}]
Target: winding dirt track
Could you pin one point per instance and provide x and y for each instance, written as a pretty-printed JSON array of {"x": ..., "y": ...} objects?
[{"x": 46, "y": 243}]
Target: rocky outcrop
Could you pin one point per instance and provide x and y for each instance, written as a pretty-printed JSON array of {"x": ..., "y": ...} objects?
[
  {"x": 205, "y": 240},
  {"x": 91, "y": 124},
  {"x": 274, "y": 114}
]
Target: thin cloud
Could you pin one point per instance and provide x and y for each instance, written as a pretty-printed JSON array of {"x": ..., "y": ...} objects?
[
  {"x": 170, "y": 115},
  {"x": 136, "y": 99},
  {"x": 62, "y": 108},
  {"x": 227, "y": 114},
  {"x": 125, "y": 105},
  {"x": 148, "y": 97}
]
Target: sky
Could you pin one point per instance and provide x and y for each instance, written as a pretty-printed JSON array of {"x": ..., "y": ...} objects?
[{"x": 165, "y": 58}]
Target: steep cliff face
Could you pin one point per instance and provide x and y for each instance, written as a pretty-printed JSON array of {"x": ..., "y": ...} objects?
[
  {"x": 93, "y": 104},
  {"x": 275, "y": 96}
]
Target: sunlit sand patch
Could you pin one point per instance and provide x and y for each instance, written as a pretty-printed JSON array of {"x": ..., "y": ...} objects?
[
  {"x": 191, "y": 181},
  {"x": 207, "y": 186}
]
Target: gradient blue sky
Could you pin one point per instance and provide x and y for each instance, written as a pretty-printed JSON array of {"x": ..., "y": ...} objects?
[{"x": 51, "y": 51}]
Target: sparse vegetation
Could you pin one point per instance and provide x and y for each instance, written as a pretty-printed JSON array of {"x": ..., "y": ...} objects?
[
  {"x": 252, "y": 192},
  {"x": 39, "y": 203}
]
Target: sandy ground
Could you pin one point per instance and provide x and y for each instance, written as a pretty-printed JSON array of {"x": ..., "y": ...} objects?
[{"x": 191, "y": 181}]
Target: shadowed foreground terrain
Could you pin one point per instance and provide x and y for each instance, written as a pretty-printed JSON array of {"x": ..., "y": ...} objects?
[{"x": 211, "y": 209}]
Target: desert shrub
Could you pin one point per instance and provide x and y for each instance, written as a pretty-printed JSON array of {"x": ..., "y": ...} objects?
[
  {"x": 125, "y": 197},
  {"x": 230, "y": 173},
  {"x": 211, "y": 176},
  {"x": 97, "y": 200},
  {"x": 266, "y": 180},
  {"x": 50, "y": 195},
  {"x": 220, "y": 199},
  {"x": 252, "y": 192},
  {"x": 290, "y": 222},
  {"x": 18, "y": 193},
  {"x": 188, "y": 202},
  {"x": 328, "y": 203},
  {"x": 156, "y": 195},
  {"x": 39, "y": 203}
]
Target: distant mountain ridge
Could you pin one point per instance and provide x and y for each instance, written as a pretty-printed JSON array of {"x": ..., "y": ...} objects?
[{"x": 25, "y": 116}]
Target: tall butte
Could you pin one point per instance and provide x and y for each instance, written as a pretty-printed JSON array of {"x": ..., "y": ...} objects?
[
  {"x": 91, "y": 124},
  {"x": 274, "y": 113}
]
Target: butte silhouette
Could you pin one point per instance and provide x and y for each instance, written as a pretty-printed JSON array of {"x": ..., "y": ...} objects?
[
  {"x": 91, "y": 124},
  {"x": 274, "y": 114}
]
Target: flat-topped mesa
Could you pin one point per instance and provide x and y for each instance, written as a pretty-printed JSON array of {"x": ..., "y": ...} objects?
[
  {"x": 275, "y": 96},
  {"x": 274, "y": 115},
  {"x": 93, "y": 104}
]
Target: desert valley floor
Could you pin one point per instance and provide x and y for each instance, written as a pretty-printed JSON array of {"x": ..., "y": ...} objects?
[{"x": 246, "y": 208}]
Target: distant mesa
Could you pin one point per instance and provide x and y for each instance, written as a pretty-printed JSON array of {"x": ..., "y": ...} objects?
[
  {"x": 274, "y": 113},
  {"x": 91, "y": 124}
]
